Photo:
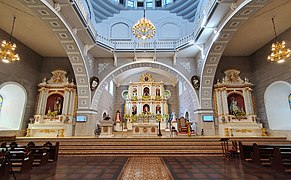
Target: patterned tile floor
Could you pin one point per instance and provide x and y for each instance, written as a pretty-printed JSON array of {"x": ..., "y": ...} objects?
[
  {"x": 144, "y": 168},
  {"x": 184, "y": 168}
]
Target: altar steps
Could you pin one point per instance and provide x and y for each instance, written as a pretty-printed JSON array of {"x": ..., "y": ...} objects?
[{"x": 179, "y": 146}]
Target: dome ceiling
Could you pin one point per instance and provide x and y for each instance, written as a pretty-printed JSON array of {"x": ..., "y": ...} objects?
[{"x": 103, "y": 9}]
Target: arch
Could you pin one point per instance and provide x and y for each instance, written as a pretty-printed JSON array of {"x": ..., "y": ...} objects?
[
  {"x": 277, "y": 105},
  {"x": 96, "y": 101},
  {"x": 13, "y": 107},
  {"x": 120, "y": 30},
  {"x": 55, "y": 21},
  {"x": 226, "y": 31},
  {"x": 139, "y": 64}
]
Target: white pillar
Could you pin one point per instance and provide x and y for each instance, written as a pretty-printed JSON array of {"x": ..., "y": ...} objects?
[{"x": 224, "y": 102}]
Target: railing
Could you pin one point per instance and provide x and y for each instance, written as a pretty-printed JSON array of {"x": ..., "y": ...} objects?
[{"x": 141, "y": 45}]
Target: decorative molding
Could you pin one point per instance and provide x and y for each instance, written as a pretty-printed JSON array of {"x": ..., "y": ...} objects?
[
  {"x": 102, "y": 67},
  {"x": 186, "y": 65},
  {"x": 229, "y": 27}
]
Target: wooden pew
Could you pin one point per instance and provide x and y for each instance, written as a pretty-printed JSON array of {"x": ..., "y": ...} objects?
[
  {"x": 39, "y": 154},
  {"x": 262, "y": 154},
  {"x": 20, "y": 160},
  {"x": 281, "y": 160},
  {"x": 245, "y": 151},
  {"x": 53, "y": 150},
  {"x": 4, "y": 169}
]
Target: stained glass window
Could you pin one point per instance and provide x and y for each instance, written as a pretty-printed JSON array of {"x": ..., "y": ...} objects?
[
  {"x": 1, "y": 102},
  {"x": 289, "y": 99}
]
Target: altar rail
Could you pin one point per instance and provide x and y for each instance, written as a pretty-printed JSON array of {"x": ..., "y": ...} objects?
[{"x": 152, "y": 146}]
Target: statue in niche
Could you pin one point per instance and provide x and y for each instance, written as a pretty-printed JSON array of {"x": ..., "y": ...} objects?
[
  {"x": 146, "y": 109},
  {"x": 146, "y": 91},
  {"x": 158, "y": 92},
  {"x": 134, "y": 110},
  {"x": 55, "y": 106},
  {"x": 158, "y": 110},
  {"x": 234, "y": 107}
]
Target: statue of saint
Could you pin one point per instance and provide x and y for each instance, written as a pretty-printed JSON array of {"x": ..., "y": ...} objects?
[
  {"x": 173, "y": 117},
  {"x": 57, "y": 106},
  {"x": 118, "y": 116},
  {"x": 234, "y": 108}
]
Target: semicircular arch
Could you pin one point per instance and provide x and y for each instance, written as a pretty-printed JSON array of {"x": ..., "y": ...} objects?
[
  {"x": 133, "y": 65},
  {"x": 228, "y": 28},
  {"x": 45, "y": 11}
]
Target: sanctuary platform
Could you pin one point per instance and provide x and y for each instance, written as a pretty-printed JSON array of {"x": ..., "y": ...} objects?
[{"x": 127, "y": 145}]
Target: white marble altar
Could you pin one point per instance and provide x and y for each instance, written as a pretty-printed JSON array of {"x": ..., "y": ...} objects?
[
  {"x": 234, "y": 106},
  {"x": 56, "y": 107}
]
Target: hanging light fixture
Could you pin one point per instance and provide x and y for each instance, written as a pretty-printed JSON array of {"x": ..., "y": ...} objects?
[
  {"x": 144, "y": 29},
  {"x": 279, "y": 52},
  {"x": 7, "y": 49}
]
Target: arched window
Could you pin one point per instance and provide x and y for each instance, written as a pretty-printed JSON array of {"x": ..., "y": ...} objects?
[
  {"x": 111, "y": 88},
  {"x": 289, "y": 99},
  {"x": 1, "y": 102}
]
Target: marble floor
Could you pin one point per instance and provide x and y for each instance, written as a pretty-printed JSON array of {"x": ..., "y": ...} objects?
[{"x": 153, "y": 168}]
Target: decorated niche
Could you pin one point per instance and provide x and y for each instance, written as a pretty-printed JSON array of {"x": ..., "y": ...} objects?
[
  {"x": 234, "y": 106},
  {"x": 56, "y": 106},
  {"x": 233, "y": 98}
]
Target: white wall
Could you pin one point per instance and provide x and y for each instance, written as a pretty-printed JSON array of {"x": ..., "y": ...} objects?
[
  {"x": 14, "y": 101},
  {"x": 277, "y": 105}
]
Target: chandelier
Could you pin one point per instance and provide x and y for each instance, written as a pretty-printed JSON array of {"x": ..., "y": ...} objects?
[
  {"x": 144, "y": 29},
  {"x": 7, "y": 49},
  {"x": 279, "y": 52}
]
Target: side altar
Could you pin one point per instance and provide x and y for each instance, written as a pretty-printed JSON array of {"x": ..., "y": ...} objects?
[
  {"x": 234, "y": 106},
  {"x": 145, "y": 105},
  {"x": 56, "y": 106}
]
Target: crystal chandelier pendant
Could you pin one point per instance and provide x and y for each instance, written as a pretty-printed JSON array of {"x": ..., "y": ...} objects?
[
  {"x": 279, "y": 52},
  {"x": 144, "y": 29},
  {"x": 7, "y": 49}
]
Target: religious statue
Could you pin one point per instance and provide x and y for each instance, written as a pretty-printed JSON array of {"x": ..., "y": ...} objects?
[
  {"x": 118, "y": 117},
  {"x": 234, "y": 108},
  {"x": 173, "y": 117},
  {"x": 57, "y": 106},
  {"x": 134, "y": 110},
  {"x": 94, "y": 82},
  {"x": 195, "y": 82}
]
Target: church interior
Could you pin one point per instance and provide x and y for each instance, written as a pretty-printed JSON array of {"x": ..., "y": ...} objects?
[{"x": 145, "y": 89}]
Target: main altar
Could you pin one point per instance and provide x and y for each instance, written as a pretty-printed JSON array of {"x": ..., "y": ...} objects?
[
  {"x": 56, "y": 107},
  {"x": 234, "y": 106},
  {"x": 145, "y": 107}
]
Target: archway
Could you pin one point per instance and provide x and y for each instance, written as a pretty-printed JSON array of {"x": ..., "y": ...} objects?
[
  {"x": 57, "y": 23},
  {"x": 229, "y": 27},
  {"x": 14, "y": 98},
  {"x": 97, "y": 101},
  {"x": 277, "y": 105}
]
